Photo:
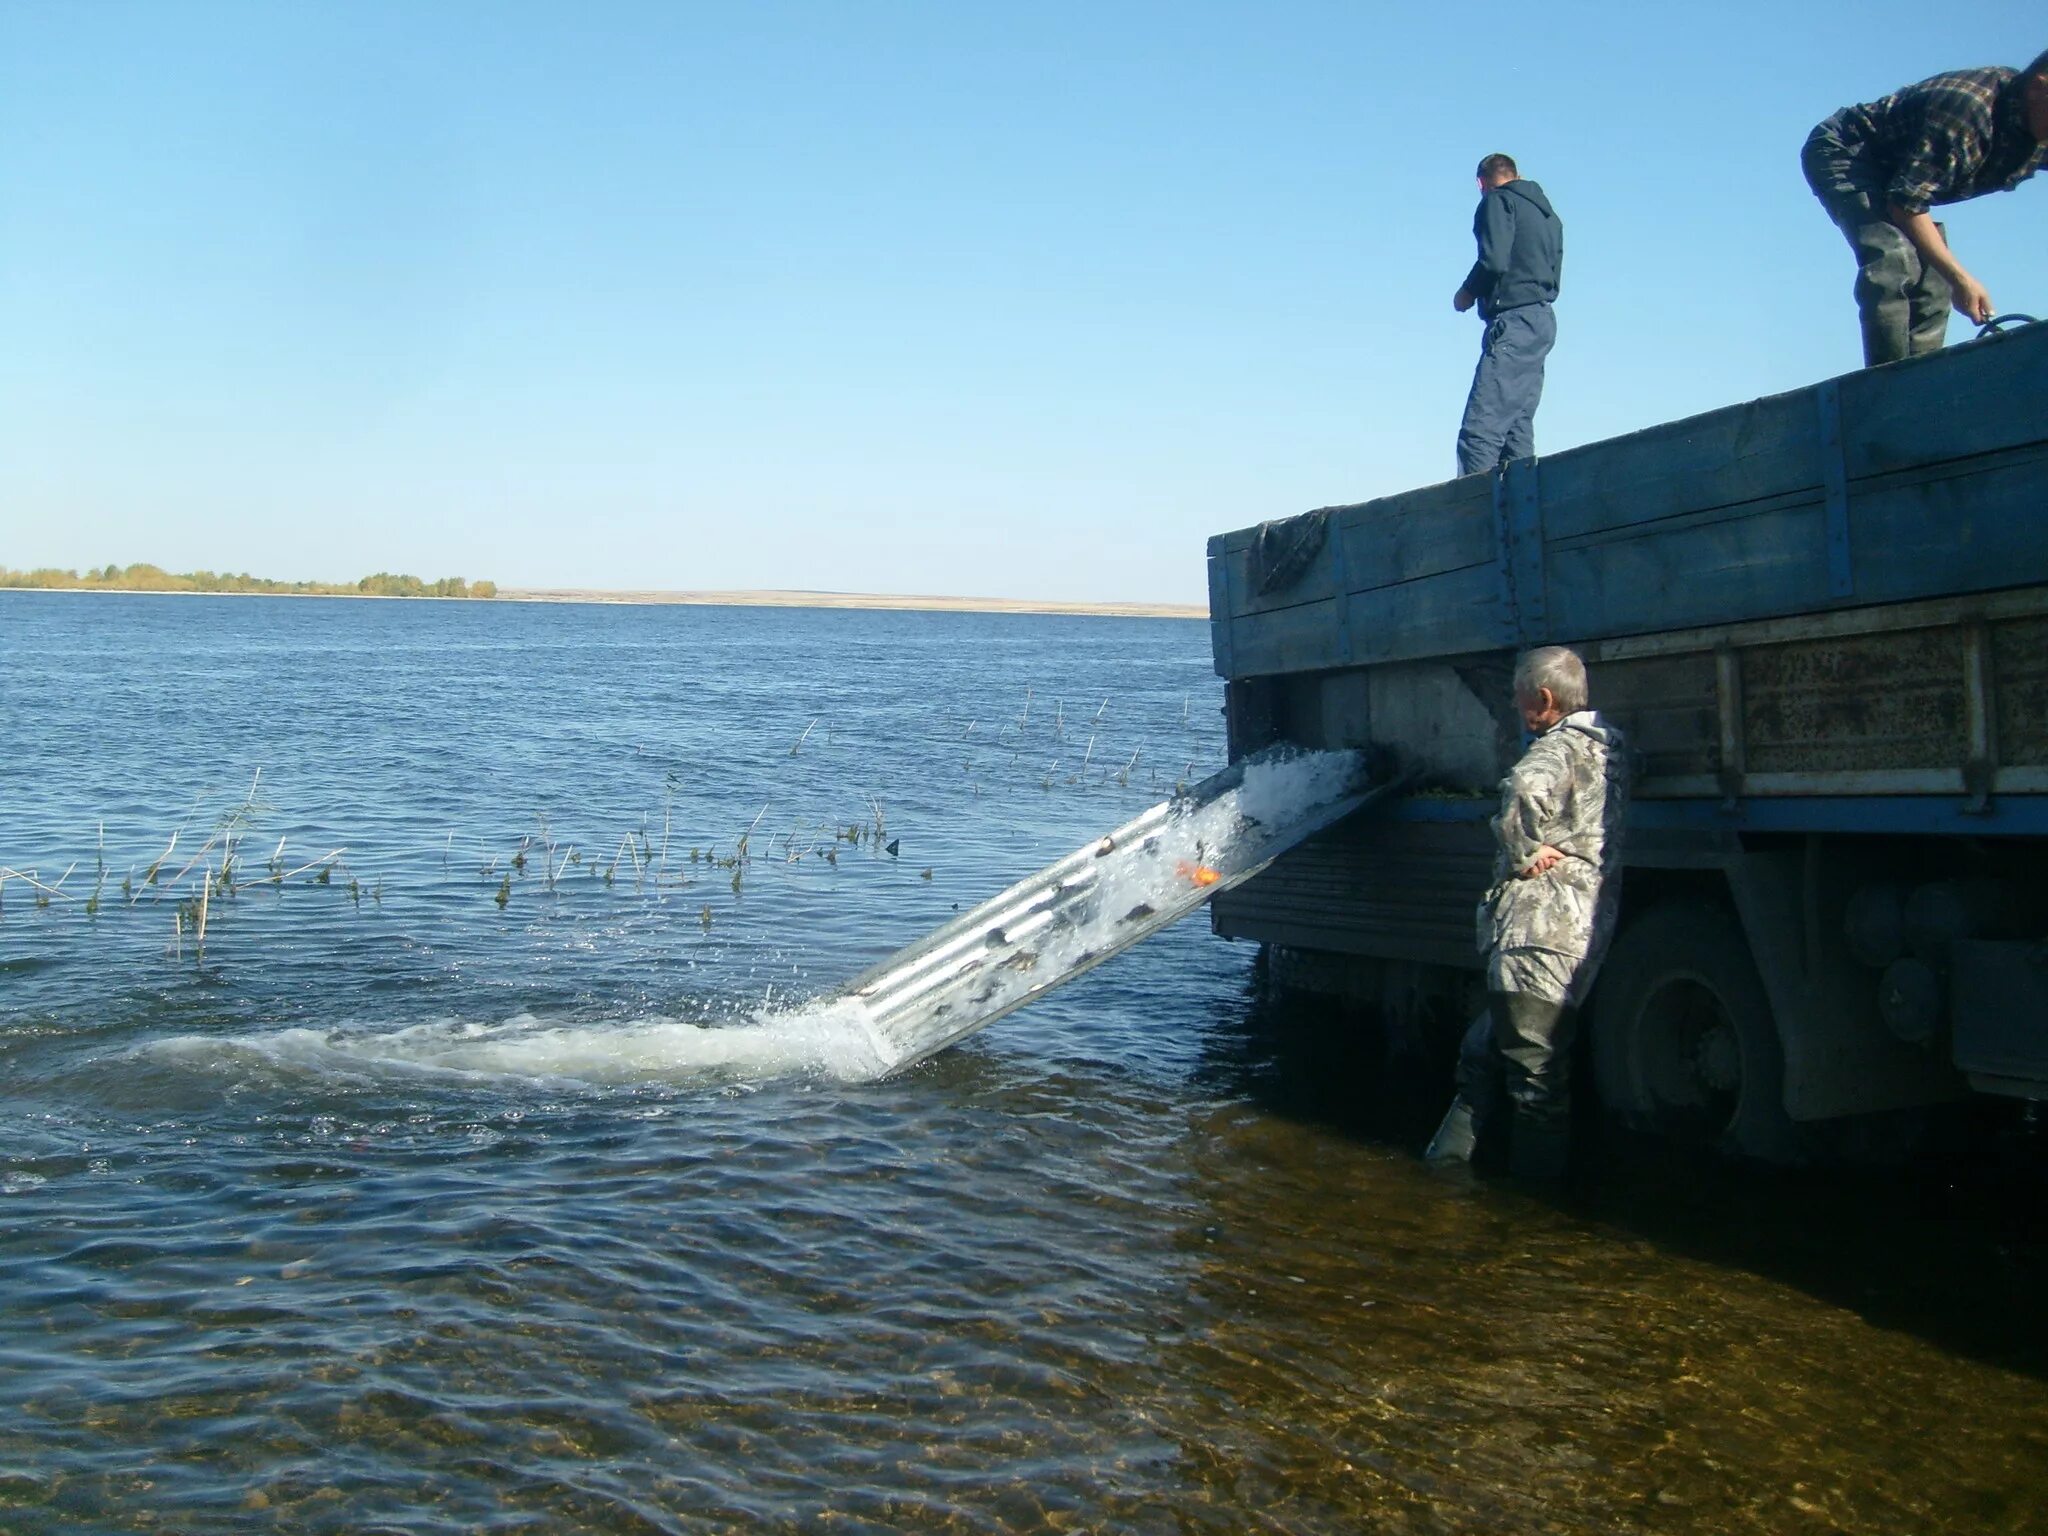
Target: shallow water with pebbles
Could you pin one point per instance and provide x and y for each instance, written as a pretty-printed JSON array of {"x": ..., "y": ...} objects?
[{"x": 399, "y": 1208}]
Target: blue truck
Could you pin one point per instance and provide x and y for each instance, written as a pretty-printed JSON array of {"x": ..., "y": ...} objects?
[{"x": 1822, "y": 618}]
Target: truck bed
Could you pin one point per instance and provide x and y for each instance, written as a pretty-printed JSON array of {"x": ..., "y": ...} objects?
[
  {"x": 1821, "y": 618},
  {"x": 1923, "y": 479}
]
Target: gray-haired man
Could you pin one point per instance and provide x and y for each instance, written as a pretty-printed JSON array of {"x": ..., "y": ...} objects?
[{"x": 1546, "y": 923}]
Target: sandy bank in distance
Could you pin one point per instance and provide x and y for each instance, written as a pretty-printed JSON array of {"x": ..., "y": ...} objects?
[{"x": 799, "y": 599}]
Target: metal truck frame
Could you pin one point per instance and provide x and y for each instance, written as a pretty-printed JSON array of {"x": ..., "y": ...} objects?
[{"x": 1822, "y": 618}]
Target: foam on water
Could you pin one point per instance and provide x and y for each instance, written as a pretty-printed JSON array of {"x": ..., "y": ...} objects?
[
  {"x": 1276, "y": 791},
  {"x": 827, "y": 1039}
]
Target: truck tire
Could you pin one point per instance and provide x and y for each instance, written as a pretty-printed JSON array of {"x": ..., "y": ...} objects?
[{"x": 1683, "y": 1041}]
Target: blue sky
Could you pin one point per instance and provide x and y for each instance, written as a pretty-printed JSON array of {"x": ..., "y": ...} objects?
[{"x": 984, "y": 299}]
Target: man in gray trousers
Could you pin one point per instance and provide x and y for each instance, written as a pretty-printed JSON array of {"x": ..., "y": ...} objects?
[
  {"x": 1878, "y": 169},
  {"x": 1546, "y": 923},
  {"x": 1514, "y": 282}
]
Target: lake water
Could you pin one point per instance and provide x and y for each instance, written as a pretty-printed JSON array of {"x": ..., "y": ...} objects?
[{"x": 493, "y": 1173}]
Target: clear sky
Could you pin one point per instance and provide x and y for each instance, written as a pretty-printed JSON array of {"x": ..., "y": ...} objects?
[{"x": 1015, "y": 300}]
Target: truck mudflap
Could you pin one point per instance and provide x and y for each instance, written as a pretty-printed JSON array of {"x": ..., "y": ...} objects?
[
  {"x": 1104, "y": 897},
  {"x": 1999, "y": 1019}
]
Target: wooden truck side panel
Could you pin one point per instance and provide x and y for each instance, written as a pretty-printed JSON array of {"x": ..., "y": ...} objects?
[
  {"x": 1924, "y": 479},
  {"x": 1822, "y": 618}
]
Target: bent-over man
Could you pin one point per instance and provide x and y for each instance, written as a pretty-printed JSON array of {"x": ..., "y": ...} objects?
[
  {"x": 1514, "y": 282},
  {"x": 1546, "y": 923},
  {"x": 1877, "y": 169}
]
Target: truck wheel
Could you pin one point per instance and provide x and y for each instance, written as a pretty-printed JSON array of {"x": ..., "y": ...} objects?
[{"x": 1683, "y": 1042}]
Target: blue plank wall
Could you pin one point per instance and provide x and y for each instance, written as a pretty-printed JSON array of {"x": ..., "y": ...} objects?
[
  {"x": 1923, "y": 815},
  {"x": 1921, "y": 479}
]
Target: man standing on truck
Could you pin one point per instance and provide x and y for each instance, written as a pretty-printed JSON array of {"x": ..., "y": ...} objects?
[
  {"x": 1546, "y": 923},
  {"x": 1514, "y": 282},
  {"x": 1877, "y": 169}
]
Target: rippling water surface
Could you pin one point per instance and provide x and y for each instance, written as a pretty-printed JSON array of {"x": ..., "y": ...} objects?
[{"x": 501, "y": 1176}]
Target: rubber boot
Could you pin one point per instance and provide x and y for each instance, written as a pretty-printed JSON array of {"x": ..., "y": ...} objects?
[
  {"x": 1539, "y": 1150},
  {"x": 1456, "y": 1137}
]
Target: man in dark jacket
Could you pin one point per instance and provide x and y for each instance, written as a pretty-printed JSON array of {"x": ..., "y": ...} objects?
[
  {"x": 1877, "y": 169},
  {"x": 1514, "y": 281}
]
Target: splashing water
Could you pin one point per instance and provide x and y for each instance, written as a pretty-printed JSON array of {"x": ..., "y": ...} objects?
[
  {"x": 829, "y": 1039},
  {"x": 1103, "y": 898},
  {"x": 1031, "y": 938}
]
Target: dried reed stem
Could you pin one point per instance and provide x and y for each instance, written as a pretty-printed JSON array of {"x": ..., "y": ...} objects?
[
  {"x": 204, "y": 849},
  {"x": 280, "y": 879},
  {"x": 741, "y": 849},
  {"x": 8, "y": 873},
  {"x": 149, "y": 875}
]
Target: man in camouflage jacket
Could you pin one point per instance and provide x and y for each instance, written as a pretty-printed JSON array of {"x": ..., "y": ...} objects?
[{"x": 1546, "y": 923}]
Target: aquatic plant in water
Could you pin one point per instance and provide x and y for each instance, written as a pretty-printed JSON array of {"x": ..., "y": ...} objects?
[{"x": 204, "y": 877}]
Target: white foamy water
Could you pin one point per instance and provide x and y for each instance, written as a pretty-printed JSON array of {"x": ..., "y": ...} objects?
[
  {"x": 830, "y": 1039},
  {"x": 1275, "y": 792}
]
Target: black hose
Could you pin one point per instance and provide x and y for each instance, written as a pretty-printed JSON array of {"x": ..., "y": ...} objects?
[{"x": 1998, "y": 323}]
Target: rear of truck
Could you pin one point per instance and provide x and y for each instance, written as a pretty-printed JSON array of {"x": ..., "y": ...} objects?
[{"x": 1822, "y": 618}]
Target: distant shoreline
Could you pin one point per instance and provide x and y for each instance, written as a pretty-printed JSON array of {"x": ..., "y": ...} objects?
[
  {"x": 879, "y": 601},
  {"x": 346, "y": 597},
  {"x": 797, "y": 598}
]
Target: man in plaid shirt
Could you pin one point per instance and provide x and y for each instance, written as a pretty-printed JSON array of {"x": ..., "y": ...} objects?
[{"x": 1879, "y": 167}]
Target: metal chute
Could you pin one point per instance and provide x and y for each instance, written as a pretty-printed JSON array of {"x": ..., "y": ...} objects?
[{"x": 1104, "y": 897}]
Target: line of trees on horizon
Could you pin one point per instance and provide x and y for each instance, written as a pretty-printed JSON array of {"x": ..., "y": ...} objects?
[{"x": 154, "y": 578}]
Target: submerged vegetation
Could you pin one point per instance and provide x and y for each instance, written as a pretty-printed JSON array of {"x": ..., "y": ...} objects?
[
  {"x": 207, "y": 866},
  {"x": 197, "y": 876},
  {"x": 154, "y": 578},
  {"x": 212, "y": 874}
]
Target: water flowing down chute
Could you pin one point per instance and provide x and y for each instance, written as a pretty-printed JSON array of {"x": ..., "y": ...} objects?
[
  {"x": 1104, "y": 897},
  {"x": 1037, "y": 935}
]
